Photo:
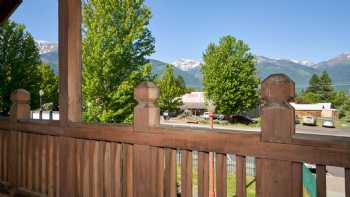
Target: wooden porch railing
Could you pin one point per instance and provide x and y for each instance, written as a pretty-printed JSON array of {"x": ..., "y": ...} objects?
[{"x": 46, "y": 158}]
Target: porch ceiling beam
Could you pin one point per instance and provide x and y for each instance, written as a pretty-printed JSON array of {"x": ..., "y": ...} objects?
[{"x": 7, "y": 7}]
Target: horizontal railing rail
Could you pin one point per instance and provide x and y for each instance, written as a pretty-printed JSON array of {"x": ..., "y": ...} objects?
[{"x": 36, "y": 156}]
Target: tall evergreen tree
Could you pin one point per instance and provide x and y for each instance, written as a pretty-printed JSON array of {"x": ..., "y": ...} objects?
[
  {"x": 326, "y": 88},
  {"x": 171, "y": 89},
  {"x": 116, "y": 41},
  {"x": 229, "y": 76},
  {"x": 314, "y": 84}
]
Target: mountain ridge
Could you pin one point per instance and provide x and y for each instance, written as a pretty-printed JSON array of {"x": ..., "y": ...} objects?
[{"x": 300, "y": 71}]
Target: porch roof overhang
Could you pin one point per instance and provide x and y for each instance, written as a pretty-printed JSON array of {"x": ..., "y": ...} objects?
[{"x": 6, "y": 8}]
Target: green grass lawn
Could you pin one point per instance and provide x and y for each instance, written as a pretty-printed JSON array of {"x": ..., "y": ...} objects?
[
  {"x": 231, "y": 183},
  {"x": 342, "y": 123}
]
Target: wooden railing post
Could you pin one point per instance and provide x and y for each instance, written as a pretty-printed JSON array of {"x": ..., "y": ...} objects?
[
  {"x": 277, "y": 178},
  {"x": 148, "y": 162},
  {"x": 20, "y": 110},
  {"x": 146, "y": 113}
]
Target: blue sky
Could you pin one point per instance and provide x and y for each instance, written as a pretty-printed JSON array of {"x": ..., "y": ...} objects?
[{"x": 315, "y": 30}]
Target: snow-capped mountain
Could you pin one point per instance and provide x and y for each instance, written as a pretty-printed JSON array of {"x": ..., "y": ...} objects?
[
  {"x": 46, "y": 47},
  {"x": 340, "y": 59},
  {"x": 304, "y": 62},
  {"x": 300, "y": 71},
  {"x": 261, "y": 59},
  {"x": 186, "y": 64}
]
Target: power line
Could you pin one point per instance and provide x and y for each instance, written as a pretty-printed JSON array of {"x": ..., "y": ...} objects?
[{"x": 333, "y": 85}]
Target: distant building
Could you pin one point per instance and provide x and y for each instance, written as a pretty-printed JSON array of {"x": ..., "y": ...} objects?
[
  {"x": 319, "y": 110},
  {"x": 194, "y": 102}
]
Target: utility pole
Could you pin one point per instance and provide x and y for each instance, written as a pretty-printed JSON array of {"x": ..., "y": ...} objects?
[{"x": 211, "y": 110}]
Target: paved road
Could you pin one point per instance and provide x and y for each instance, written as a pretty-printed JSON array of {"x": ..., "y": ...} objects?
[
  {"x": 299, "y": 128},
  {"x": 345, "y": 132}
]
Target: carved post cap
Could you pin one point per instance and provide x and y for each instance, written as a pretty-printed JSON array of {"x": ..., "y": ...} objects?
[
  {"x": 146, "y": 92},
  {"x": 146, "y": 113},
  {"x": 20, "y": 108},
  {"x": 278, "y": 88},
  {"x": 277, "y": 115},
  {"x": 20, "y": 96}
]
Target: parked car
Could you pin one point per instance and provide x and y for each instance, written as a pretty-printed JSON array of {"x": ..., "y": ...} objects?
[
  {"x": 220, "y": 116},
  {"x": 239, "y": 119},
  {"x": 205, "y": 115},
  {"x": 329, "y": 123},
  {"x": 309, "y": 120},
  {"x": 168, "y": 114}
]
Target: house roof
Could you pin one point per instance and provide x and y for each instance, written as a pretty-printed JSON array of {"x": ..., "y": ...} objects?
[
  {"x": 7, "y": 7},
  {"x": 193, "y": 100},
  {"x": 312, "y": 107},
  {"x": 193, "y": 97}
]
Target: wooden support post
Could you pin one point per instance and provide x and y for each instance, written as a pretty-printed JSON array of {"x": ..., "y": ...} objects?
[
  {"x": 69, "y": 89},
  {"x": 70, "y": 61},
  {"x": 146, "y": 117},
  {"x": 275, "y": 177},
  {"x": 20, "y": 110}
]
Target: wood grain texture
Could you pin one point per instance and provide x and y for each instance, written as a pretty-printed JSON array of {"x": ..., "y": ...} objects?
[
  {"x": 203, "y": 174},
  {"x": 2, "y": 144},
  {"x": 30, "y": 162},
  {"x": 240, "y": 176},
  {"x": 86, "y": 168},
  {"x": 328, "y": 150},
  {"x": 51, "y": 148},
  {"x": 13, "y": 164},
  {"x": 221, "y": 175},
  {"x": 347, "y": 182},
  {"x": 116, "y": 152},
  {"x": 67, "y": 167},
  {"x": 79, "y": 163},
  {"x": 297, "y": 179},
  {"x": 127, "y": 179},
  {"x": 24, "y": 160},
  {"x": 170, "y": 173},
  {"x": 7, "y": 7},
  {"x": 321, "y": 181},
  {"x": 274, "y": 178},
  {"x": 5, "y": 152},
  {"x": 186, "y": 173},
  {"x": 142, "y": 170},
  {"x": 36, "y": 162},
  {"x": 70, "y": 61},
  {"x": 242, "y": 143},
  {"x": 5, "y": 124}
]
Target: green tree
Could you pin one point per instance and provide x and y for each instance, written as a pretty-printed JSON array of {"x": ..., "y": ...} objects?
[
  {"x": 339, "y": 98},
  {"x": 229, "y": 75},
  {"x": 171, "y": 90},
  {"x": 320, "y": 90},
  {"x": 314, "y": 84},
  {"x": 116, "y": 41},
  {"x": 48, "y": 83},
  {"x": 308, "y": 98},
  {"x": 19, "y": 59},
  {"x": 344, "y": 110},
  {"x": 326, "y": 89}
]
